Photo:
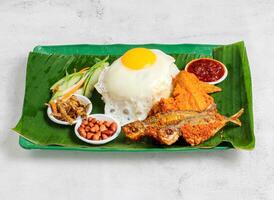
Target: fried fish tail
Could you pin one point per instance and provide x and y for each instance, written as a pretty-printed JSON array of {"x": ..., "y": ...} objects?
[{"x": 235, "y": 118}]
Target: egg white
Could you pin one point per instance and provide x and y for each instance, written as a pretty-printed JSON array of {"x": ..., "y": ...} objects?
[{"x": 129, "y": 94}]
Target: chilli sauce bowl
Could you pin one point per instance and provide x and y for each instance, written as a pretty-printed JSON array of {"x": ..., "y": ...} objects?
[
  {"x": 216, "y": 62},
  {"x": 81, "y": 98},
  {"x": 99, "y": 117}
]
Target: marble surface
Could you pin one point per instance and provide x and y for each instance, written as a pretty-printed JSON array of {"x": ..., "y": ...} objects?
[{"x": 75, "y": 175}]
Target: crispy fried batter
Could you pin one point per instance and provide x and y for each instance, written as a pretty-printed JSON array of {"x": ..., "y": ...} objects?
[{"x": 189, "y": 94}]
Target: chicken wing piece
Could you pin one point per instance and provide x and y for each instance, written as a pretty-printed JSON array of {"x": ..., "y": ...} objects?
[
  {"x": 186, "y": 78},
  {"x": 189, "y": 93}
]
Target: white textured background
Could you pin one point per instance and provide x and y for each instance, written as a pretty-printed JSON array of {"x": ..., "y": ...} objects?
[{"x": 75, "y": 175}]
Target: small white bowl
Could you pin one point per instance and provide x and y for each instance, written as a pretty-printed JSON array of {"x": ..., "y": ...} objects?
[
  {"x": 101, "y": 117},
  {"x": 81, "y": 98},
  {"x": 213, "y": 82}
]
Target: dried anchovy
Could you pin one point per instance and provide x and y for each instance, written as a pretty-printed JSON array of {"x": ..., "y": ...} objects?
[{"x": 70, "y": 109}]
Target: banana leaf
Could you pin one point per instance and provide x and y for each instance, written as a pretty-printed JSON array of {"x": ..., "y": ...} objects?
[{"x": 47, "y": 67}]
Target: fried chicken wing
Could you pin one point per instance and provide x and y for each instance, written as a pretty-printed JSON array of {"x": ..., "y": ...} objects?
[{"x": 189, "y": 94}]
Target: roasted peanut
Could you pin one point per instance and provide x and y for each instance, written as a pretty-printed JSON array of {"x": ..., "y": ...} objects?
[
  {"x": 111, "y": 132},
  {"x": 113, "y": 127},
  {"x": 96, "y": 127},
  {"x": 103, "y": 128},
  {"x": 108, "y": 123},
  {"x": 82, "y": 125},
  {"x": 81, "y": 129},
  {"x": 89, "y": 135},
  {"x": 83, "y": 133},
  {"x": 85, "y": 122},
  {"x": 104, "y": 136},
  {"x": 96, "y": 136},
  {"x": 93, "y": 129},
  {"x": 107, "y": 132}
]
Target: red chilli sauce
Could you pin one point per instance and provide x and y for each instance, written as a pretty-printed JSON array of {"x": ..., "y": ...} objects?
[{"x": 206, "y": 70}]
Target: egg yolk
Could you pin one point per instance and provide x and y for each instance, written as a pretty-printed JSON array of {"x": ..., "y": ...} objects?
[{"x": 138, "y": 58}]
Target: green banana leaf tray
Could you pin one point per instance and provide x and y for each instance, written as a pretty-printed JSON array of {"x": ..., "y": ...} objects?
[{"x": 237, "y": 93}]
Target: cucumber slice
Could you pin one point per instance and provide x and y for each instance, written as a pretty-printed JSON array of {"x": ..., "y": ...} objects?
[
  {"x": 91, "y": 81},
  {"x": 67, "y": 81}
]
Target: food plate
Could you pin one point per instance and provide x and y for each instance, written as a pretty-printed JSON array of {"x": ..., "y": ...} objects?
[{"x": 236, "y": 94}]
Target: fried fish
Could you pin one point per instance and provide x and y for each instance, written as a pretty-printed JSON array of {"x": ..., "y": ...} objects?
[{"x": 195, "y": 127}]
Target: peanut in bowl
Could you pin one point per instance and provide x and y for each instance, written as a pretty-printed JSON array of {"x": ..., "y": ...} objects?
[{"x": 97, "y": 129}]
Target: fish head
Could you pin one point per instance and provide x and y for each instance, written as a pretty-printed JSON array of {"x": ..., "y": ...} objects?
[{"x": 134, "y": 130}]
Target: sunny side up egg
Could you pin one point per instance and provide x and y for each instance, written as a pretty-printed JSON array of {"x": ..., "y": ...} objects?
[{"x": 134, "y": 82}]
